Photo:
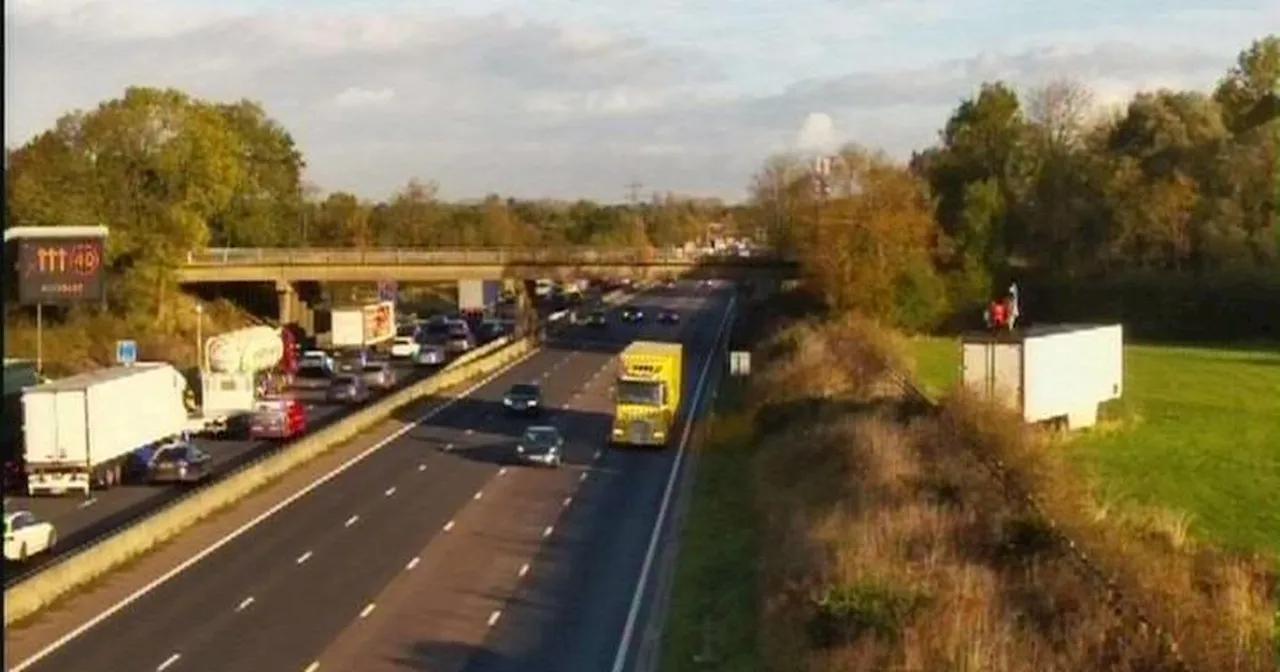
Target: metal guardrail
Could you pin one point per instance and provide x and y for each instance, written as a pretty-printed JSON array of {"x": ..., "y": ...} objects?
[{"x": 229, "y": 256}]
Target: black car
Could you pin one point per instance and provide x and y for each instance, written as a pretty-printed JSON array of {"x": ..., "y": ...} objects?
[
  {"x": 632, "y": 314},
  {"x": 179, "y": 462},
  {"x": 541, "y": 444},
  {"x": 523, "y": 398},
  {"x": 669, "y": 317},
  {"x": 596, "y": 319}
]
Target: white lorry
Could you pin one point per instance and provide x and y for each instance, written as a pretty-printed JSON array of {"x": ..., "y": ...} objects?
[
  {"x": 363, "y": 326},
  {"x": 1058, "y": 374},
  {"x": 478, "y": 296},
  {"x": 82, "y": 431},
  {"x": 230, "y": 386}
]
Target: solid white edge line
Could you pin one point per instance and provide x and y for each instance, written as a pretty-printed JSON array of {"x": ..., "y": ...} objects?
[
  {"x": 238, "y": 532},
  {"x": 637, "y": 598}
]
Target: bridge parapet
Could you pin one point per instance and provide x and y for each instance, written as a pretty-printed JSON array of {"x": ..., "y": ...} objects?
[{"x": 521, "y": 256}]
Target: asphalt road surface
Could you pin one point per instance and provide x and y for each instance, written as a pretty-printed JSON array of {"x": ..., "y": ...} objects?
[
  {"x": 423, "y": 542},
  {"x": 80, "y": 520}
]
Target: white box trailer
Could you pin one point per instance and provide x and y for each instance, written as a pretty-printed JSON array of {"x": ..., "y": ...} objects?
[
  {"x": 1050, "y": 373},
  {"x": 478, "y": 295},
  {"x": 81, "y": 431},
  {"x": 362, "y": 326}
]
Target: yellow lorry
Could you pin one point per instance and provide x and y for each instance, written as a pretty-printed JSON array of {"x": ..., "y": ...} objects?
[{"x": 647, "y": 395}]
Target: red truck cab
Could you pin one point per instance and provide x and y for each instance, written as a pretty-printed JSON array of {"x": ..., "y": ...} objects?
[{"x": 278, "y": 419}]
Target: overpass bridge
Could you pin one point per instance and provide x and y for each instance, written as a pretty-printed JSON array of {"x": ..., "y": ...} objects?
[{"x": 296, "y": 273}]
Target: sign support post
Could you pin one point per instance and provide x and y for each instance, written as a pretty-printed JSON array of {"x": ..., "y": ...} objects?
[{"x": 39, "y": 338}]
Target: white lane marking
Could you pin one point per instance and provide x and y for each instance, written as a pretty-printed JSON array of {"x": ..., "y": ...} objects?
[
  {"x": 413, "y": 563},
  {"x": 351, "y": 521},
  {"x": 567, "y": 501},
  {"x": 315, "y": 665},
  {"x": 546, "y": 374},
  {"x": 390, "y": 491},
  {"x": 469, "y": 432},
  {"x": 478, "y": 495},
  {"x": 598, "y": 454},
  {"x": 422, "y": 467},
  {"x": 547, "y": 532},
  {"x": 304, "y": 557},
  {"x": 524, "y": 569},
  {"x": 637, "y": 598},
  {"x": 167, "y": 662},
  {"x": 448, "y": 446},
  {"x": 448, "y": 526},
  {"x": 88, "y": 503},
  {"x": 240, "y": 531},
  {"x": 368, "y": 609},
  {"x": 565, "y": 407},
  {"x": 245, "y": 603},
  {"x": 582, "y": 476},
  {"x": 493, "y": 618},
  {"x": 502, "y": 471}
]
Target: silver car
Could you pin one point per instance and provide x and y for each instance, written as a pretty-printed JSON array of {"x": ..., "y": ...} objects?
[
  {"x": 379, "y": 375},
  {"x": 429, "y": 354}
]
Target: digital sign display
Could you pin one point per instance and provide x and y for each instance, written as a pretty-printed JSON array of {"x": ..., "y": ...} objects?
[{"x": 60, "y": 270}]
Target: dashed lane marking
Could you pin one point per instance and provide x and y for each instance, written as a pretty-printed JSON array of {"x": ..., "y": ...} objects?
[
  {"x": 391, "y": 491},
  {"x": 413, "y": 563},
  {"x": 368, "y": 609},
  {"x": 167, "y": 662},
  {"x": 351, "y": 521},
  {"x": 524, "y": 569},
  {"x": 567, "y": 501},
  {"x": 304, "y": 557},
  {"x": 547, "y": 532},
  {"x": 244, "y": 604},
  {"x": 313, "y": 667},
  {"x": 478, "y": 495},
  {"x": 448, "y": 526},
  {"x": 88, "y": 503},
  {"x": 493, "y": 618}
]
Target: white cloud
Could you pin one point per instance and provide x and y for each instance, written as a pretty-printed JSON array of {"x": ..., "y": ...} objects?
[
  {"x": 358, "y": 97},
  {"x": 817, "y": 133},
  {"x": 568, "y": 98}
]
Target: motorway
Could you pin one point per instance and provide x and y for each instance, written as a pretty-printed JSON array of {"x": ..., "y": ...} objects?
[
  {"x": 80, "y": 521},
  {"x": 435, "y": 552}
]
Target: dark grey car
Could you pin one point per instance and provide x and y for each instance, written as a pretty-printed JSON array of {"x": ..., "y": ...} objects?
[
  {"x": 347, "y": 388},
  {"x": 541, "y": 444},
  {"x": 179, "y": 463}
]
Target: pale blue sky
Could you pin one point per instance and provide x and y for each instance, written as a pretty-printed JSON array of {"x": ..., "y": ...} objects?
[{"x": 574, "y": 97}]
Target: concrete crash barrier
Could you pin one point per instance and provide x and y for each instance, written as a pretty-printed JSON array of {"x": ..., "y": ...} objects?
[{"x": 96, "y": 560}]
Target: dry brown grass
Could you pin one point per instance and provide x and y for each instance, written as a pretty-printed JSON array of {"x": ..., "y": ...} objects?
[
  {"x": 889, "y": 545},
  {"x": 87, "y": 340}
]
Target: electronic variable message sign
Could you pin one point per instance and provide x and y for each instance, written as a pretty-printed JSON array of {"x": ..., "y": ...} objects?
[{"x": 58, "y": 265}]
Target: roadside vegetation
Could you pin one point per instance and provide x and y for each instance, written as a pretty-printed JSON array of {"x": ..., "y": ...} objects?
[
  {"x": 885, "y": 538},
  {"x": 884, "y": 543}
]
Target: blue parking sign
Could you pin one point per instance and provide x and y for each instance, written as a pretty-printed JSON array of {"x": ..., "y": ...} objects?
[{"x": 127, "y": 352}]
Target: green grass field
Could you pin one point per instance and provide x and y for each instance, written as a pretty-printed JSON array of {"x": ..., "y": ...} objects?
[{"x": 1198, "y": 433}]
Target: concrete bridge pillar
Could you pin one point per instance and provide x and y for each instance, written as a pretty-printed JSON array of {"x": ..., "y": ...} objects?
[
  {"x": 527, "y": 322},
  {"x": 294, "y": 309}
]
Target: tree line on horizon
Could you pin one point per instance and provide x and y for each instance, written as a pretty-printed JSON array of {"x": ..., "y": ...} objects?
[
  {"x": 1165, "y": 207},
  {"x": 1160, "y": 213}
]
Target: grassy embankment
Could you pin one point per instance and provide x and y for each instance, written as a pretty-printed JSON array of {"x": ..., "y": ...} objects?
[
  {"x": 84, "y": 341},
  {"x": 833, "y": 529},
  {"x": 1196, "y": 434}
]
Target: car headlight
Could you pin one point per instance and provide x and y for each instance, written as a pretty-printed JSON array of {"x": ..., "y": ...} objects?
[
  {"x": 506, "y": 402},
  {"x": 519, "y": 449},
  {"x": 532, "y": 402}
]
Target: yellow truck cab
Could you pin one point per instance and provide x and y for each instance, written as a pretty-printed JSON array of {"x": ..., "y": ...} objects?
[{"x": 647, "y": 394}]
